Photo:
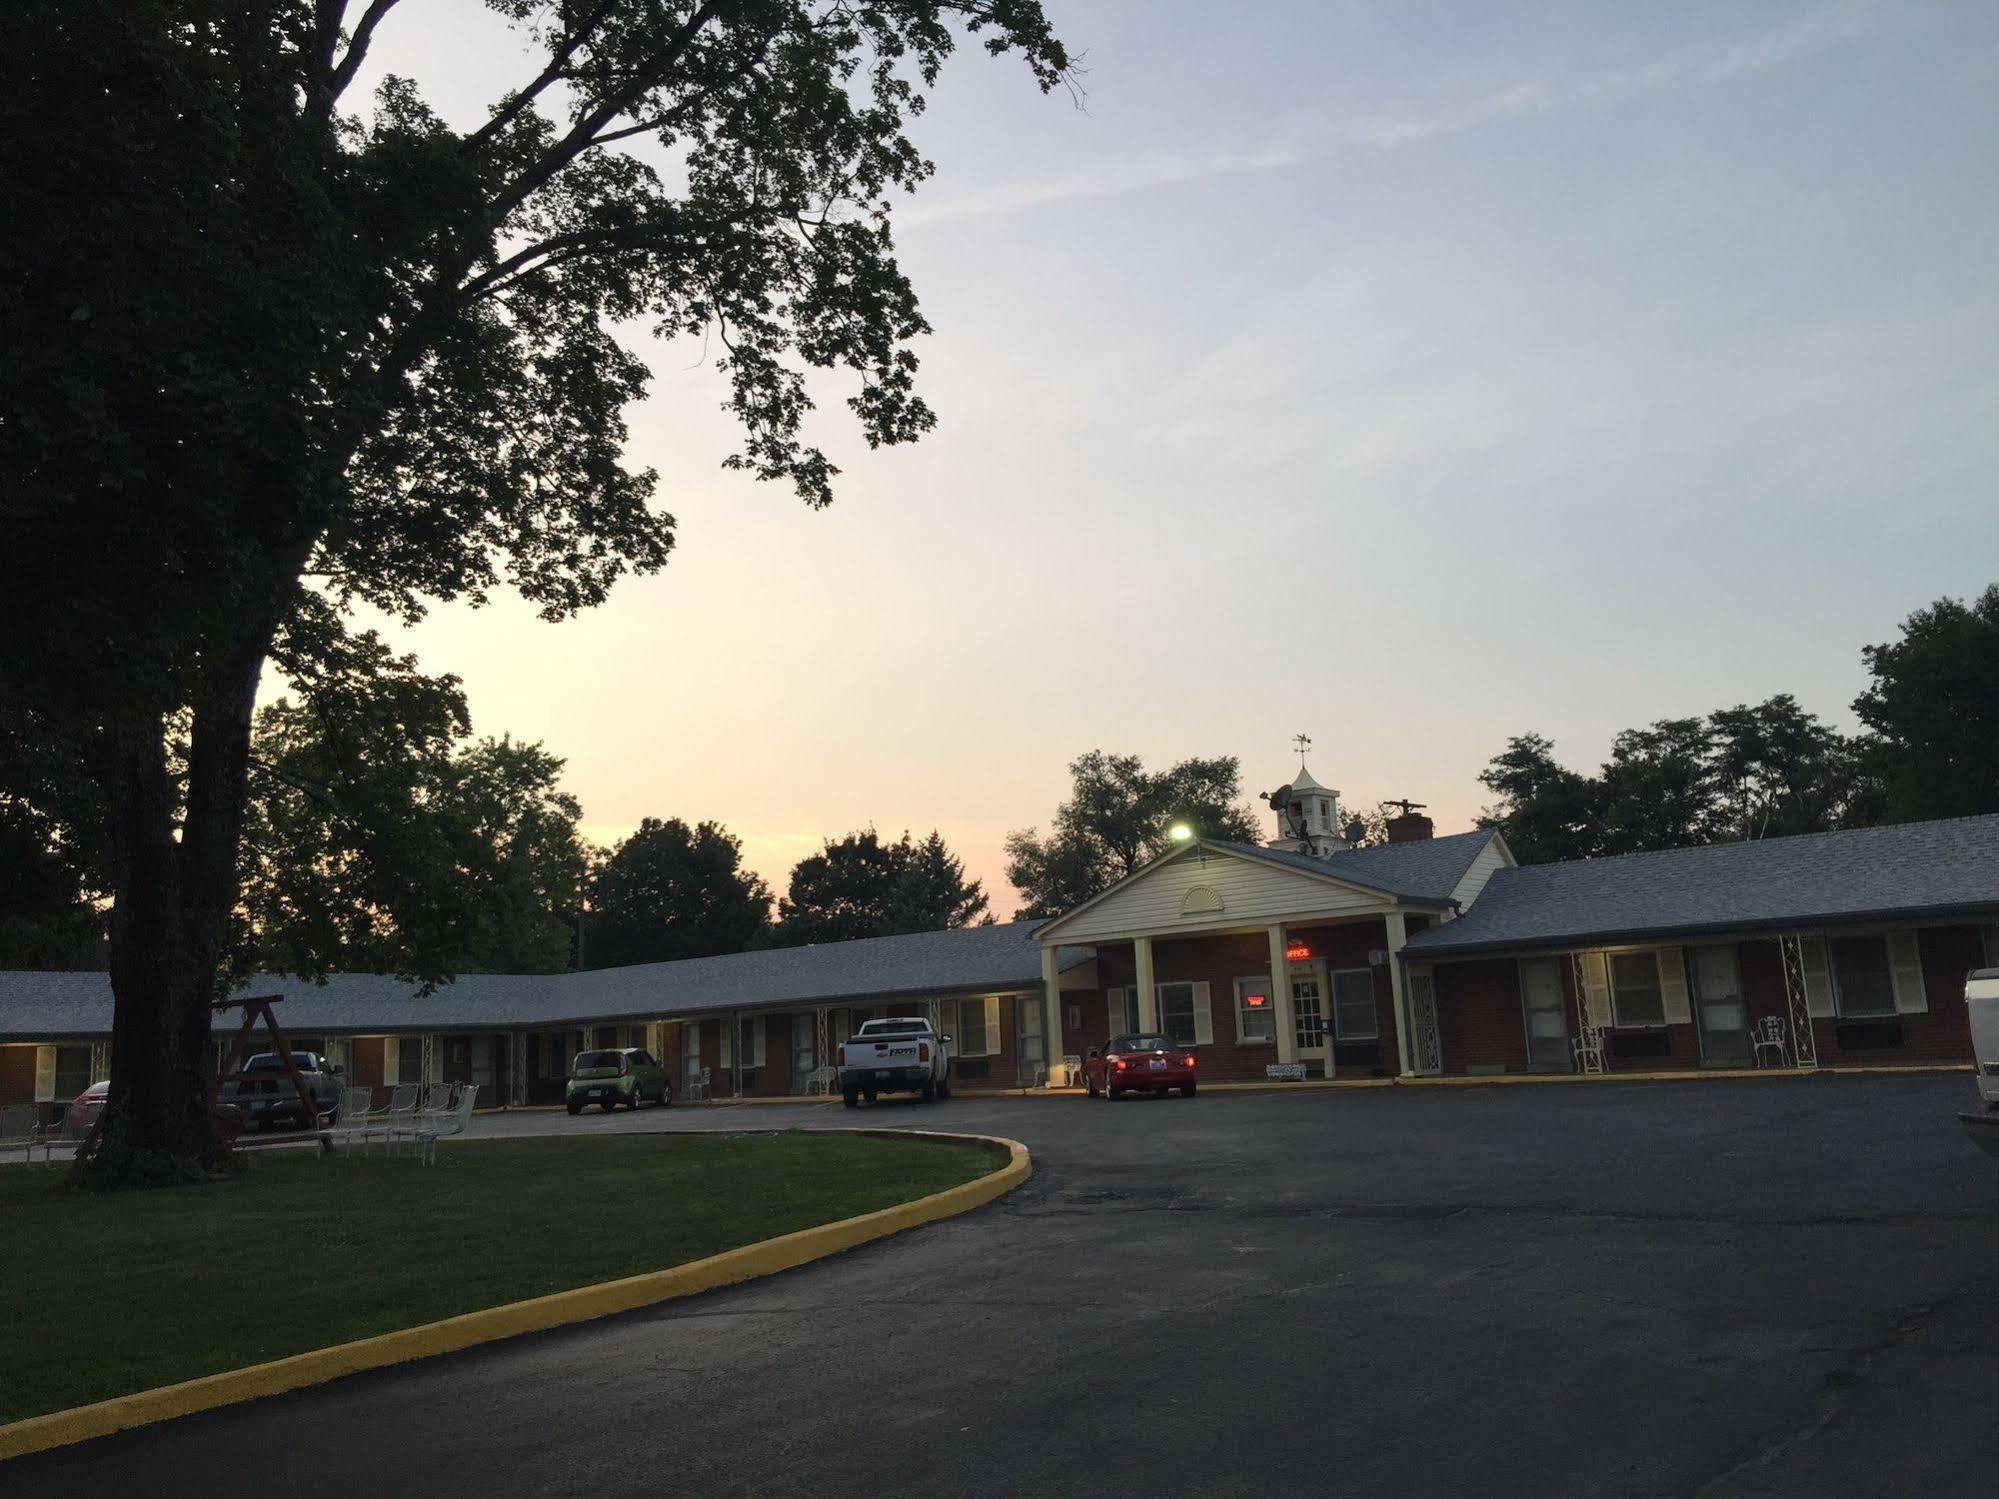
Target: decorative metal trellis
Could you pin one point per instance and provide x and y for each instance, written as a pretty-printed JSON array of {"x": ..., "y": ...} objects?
[
  {"x": 1425, "y": 1033},
  {"x": 1804, "y": 1045}
]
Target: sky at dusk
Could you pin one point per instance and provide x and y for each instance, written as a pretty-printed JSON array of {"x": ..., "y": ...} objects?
[{"x": 1408, "y": 375}]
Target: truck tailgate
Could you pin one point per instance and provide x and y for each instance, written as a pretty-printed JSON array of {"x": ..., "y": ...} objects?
[{"x": 894, "y": 1053}]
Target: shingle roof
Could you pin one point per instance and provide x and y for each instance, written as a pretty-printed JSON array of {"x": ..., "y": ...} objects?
[
  {"x": 1906, "y": 871},
  {"x": 1426, "y": 870},
  {"x": 52, "y": 1006}
]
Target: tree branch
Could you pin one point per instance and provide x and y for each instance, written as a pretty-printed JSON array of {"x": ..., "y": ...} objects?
[
  {"x": 508, "y": 112},
  {"x": 357, "y": 46}
]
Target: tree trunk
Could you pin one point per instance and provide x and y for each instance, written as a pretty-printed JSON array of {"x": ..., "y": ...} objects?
[
  {"x": 156, "y": 1119},
  {"x": 170, "y": 920}
]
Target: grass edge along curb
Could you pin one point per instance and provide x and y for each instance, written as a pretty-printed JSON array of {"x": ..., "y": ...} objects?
[{"x": 538, "y": 1314}]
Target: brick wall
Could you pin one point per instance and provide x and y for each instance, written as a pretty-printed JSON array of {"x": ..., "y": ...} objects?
[
  {"x": 1480, "y": 1018},
  {"x": 1347, "y": 945},
  {"x": 1219, "y": 961}
]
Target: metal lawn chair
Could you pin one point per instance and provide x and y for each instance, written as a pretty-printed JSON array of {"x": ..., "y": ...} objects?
[
  {"x": 400, "y": 1123},
  {"x": 822, "y": 1080},
  {"x": 432, "y": 1127},
  {"x": 1589, "y": 1049},
  {"x": 357, "y": 1124},
  {"x": 698, "y": 1087},
  {"x": 1769, "y": 1036},
  {"x": 21, "y": 1125}
]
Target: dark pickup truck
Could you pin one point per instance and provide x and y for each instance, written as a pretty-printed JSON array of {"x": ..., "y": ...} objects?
[{"x": 263, "y": 1092}]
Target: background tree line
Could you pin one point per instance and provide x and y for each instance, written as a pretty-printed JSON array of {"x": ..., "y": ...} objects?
[{"x": 1928, "y": 747}]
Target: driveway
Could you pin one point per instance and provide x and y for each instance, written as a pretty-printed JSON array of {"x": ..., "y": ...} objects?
[{"x": 1723, "y": 1287}]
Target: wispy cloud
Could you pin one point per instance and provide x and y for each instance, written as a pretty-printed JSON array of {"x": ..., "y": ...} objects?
[{"x": 1683, "y": 69}]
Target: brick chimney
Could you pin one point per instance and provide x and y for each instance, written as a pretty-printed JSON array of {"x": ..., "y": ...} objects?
[{"x": 1409, "y": 825}]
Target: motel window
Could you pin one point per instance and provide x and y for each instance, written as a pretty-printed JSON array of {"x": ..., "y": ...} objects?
[
  {"x": 1185, "y": 1014},
  {"x": 1255, "y": 1010},
  {"x": 1635, "y": 995},
  {"x": 1863, "y": 981},
  {"x": 975, "y": 1032},
  {"x": 1354, "y": 1014},
  {"x": 1122, "y": 1004},
  {"x": 72, "y": 1072},
  {"x": 409, "y": 1059},
  {"x": 750, "y": 1037}
]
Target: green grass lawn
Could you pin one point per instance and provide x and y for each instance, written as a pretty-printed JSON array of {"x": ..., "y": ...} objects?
[{"x": 109, "y": 1294}]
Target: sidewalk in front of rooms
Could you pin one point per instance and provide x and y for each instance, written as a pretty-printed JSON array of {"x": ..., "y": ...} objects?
[{"x": 1310, "y": 1085}]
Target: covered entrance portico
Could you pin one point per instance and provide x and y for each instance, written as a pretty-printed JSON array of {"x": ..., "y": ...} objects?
[{"x": 1257, "y": 959}]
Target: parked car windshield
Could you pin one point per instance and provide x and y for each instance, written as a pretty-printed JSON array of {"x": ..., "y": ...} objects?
[
  {"x": 267, "y": 1061},
  {"x": 1139, "y": 1043},
  {"x": 598, "y": 1059}
]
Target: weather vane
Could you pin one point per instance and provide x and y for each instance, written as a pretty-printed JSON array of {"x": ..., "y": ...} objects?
[{"x": 1304, "y": 743}]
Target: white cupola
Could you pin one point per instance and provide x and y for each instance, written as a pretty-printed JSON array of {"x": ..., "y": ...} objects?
[{"x": 1308, "y": 816}]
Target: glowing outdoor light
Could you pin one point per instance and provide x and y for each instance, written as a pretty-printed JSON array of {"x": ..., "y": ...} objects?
[{"x": 1179, "y": 832}]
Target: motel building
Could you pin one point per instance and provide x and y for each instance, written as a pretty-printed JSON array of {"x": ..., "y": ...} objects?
[{"x": 1299, "y": 958}]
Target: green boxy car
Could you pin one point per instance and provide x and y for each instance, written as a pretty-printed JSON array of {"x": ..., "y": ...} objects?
[{"x": 628, "y": 1077}]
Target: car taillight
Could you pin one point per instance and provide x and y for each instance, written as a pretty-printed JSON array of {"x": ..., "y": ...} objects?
[
  {"x": 840, "y": 1056},
  {"x": 1187, "y": 1060},
  {"x": 1120, "y": 1064},
  {"x": 923, "y": 1051}
]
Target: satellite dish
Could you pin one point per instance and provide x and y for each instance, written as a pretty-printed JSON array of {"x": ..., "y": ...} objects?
[{"x": 1280, "y": 797}]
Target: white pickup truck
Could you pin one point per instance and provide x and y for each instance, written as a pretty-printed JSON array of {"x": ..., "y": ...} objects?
[{"x": 898, "y": 1055}]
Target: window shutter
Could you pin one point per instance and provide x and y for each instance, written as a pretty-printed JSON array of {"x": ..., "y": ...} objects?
[
  {"x": 1818, "y": 976},
  {"x": 1204, "y": 1015},
  {"x": 993, "y": 1047},
  {"x": 1673, "y": 985},
  {"x": 1596, "y": 989},
  {"x": 1905, "y": 963},
  {"x": 728, "y": 1028},
  {"x": 392, "y": 1056},
  {"x": 45, "y": 1074}
]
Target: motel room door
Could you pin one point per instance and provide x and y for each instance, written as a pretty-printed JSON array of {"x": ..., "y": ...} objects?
[
  {"x": 1029, "y": 1044},
  {"x": 1718, "y": 1006},
  {"x": 1311, "y": 1017},
  {"x": 1547, "y": 1015}
]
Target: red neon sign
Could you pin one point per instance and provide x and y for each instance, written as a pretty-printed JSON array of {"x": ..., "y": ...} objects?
[
  {"x": 1297, "y": 952},
  {"x": 1255, "y": 1001}
]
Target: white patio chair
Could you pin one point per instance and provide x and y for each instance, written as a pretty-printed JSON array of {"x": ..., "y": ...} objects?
[
  {"x": 357, "y": 1124},
  {"x": 452, "y": 1121},
  {"x": 400, "y": 1123},
  {"x": 1589, "y": 1049},
  {"x": 21, "y": 1125},
  {"x": 1769, "y": 1036},
  {"x": 822, "y": 1080},
  {"x": 698, "y": 1088}
]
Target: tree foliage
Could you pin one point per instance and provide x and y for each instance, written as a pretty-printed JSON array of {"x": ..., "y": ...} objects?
[
  {"x": 258, "y": 347},
  {"x": 1933, "y": 707},
  {"x": 380, "y": 838},
  {"x": 1752, "y": 771},
  {"x": 862, "y": 886},
  {"x": 671, "y": 891},
  {"x": 1117, "y": 817}
]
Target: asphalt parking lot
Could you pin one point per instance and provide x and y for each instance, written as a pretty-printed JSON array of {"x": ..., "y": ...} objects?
[{"x": 1720, "y": 1287}]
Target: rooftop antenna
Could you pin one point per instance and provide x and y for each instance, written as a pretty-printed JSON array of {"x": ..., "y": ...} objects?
[
  {"x": 1407, "y": 807},
  {"x": 1304, "y": 743}
]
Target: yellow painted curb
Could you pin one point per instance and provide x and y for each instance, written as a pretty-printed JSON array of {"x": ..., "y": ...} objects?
[{"x": 559, "y": 1309}]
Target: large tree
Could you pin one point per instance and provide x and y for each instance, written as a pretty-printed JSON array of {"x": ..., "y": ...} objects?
[
  {"x": 254, "y": 343},
  {"x": 381, "y": 838},
  {"x": 1752, "y": 771},
  {"x": 1933, "y": 707},
  {"x": 1118, "y": 816},
  {"x": 672, "y": 891},
  {"x": 863, "y": 886}
]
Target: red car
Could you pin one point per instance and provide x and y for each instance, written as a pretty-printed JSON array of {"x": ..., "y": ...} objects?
[{"x": 1139, "y": 1064}]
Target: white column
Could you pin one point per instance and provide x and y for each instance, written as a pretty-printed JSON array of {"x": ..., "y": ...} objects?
[
  {"x": 1405, "y": 1029},
  {"x": 1280, "y": 995},
  {"x": 1051, "y": 996},
  {"x": 1148, "y": 991}
]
